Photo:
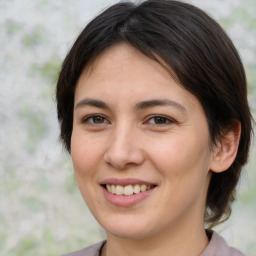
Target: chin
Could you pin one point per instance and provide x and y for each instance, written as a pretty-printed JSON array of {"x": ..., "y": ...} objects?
[
  {"x": 125, "y": 229},
  {"x": 131, "y": 234}
]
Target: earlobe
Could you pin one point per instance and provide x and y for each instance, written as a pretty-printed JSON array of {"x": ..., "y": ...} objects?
[{"x": 225, "y": 152}]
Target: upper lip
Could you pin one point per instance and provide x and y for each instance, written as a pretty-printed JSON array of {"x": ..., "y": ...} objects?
[{"x": 125, "y": 182}]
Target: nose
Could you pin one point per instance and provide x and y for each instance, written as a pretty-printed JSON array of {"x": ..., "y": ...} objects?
[{"x": 124, "y": 149}]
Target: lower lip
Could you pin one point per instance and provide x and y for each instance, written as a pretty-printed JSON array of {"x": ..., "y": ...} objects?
[{"x": 126, "y": 201}]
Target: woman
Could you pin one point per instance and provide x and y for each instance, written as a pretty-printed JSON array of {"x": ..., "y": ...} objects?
[{"x": 152, "y": 104}]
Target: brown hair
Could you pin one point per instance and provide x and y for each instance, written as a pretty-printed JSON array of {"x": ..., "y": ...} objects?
[{"x": 200, "y": 54}]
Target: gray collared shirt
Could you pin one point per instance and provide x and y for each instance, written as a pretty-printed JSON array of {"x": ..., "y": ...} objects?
[{"x": 216, "y": 247}]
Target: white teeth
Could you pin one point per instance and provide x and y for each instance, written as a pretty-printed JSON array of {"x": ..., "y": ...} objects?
[
  {"x": 119, "y": 190},
  {"x": 127, "y": 190},
  {"x": 136, "y": 189},
  {"x": 109, "y": 187},
  {"x": 113, "y": 189},
  {"x": 143, "y": 188}
]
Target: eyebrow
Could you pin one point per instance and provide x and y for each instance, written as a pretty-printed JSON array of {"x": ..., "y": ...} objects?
[
  {"x": 159, "y": 102},
  {"x": 92, "y": 103},
  {"x": 140, "y": 106}
]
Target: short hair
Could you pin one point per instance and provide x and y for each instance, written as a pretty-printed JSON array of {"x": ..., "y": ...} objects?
[{"x": 199, "y": 54}]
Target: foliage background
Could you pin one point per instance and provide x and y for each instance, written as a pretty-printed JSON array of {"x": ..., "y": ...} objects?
[{"x": 41, "y": 210}]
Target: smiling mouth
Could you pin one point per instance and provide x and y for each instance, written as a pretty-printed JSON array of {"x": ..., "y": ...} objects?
[{"x": 128, "y": 189}]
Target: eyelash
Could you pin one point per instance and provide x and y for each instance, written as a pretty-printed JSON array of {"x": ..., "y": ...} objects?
[
  {"x": 87, "y": 118},
  {"x": 167, "y": 120}
]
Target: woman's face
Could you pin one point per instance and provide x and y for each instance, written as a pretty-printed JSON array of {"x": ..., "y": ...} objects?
[{"x": 136, "y": 129}]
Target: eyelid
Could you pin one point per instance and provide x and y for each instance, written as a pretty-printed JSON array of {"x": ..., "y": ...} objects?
[
  {"x": 86, "y": 118},
  {"x": 169, "y": 119}
]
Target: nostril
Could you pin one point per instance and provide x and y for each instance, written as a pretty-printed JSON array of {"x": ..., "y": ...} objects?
[{"x": 123, "y": 155}]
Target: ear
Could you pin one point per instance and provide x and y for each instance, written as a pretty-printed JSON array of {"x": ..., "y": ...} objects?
[{"x": 225, "y": 152}]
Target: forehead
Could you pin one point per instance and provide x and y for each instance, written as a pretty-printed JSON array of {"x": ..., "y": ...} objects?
[
  {"x": 122, "y": 62},
  {"x": 118, "y": 57},
  {"x": 126, "y": 72}
]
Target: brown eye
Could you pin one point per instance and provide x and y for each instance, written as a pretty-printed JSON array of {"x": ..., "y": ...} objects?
[
  {"x": 159, "y": 120},
  {"x": 95, "y": 119},
  {"x": 98, "y": 119}
]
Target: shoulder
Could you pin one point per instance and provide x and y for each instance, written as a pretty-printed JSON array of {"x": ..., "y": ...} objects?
[
  {"x": 92, "y": 250},
  {"x": 219, "y": 247}
]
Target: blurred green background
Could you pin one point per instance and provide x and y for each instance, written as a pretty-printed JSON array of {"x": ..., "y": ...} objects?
[{"x": 41, "y": 210}]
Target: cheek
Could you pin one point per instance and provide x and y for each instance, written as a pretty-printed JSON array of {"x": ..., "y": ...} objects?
[
  {"x": 183, "y": 164},
  {"x": 85, "y": 158},
  {"x": 84, "y": 154},
  {"x": 178, "y": 151},
  {"x": 182, "y": 160}
]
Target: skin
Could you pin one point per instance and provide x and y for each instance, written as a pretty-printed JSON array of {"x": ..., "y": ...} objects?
[{"x": 122, "y": 140}]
